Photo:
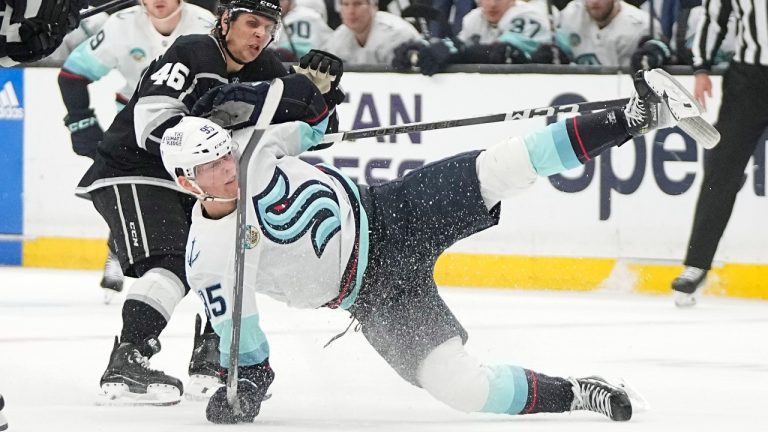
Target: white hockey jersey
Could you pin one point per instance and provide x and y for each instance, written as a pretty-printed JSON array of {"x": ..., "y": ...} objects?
[
  {"x": 523, "y": 19},
  {"x": 128, "y": 42},
  {"x": 306, "y": 237},
  {"x": 303, "y": 29},
  {"x": 612, "y": 45},
  {"x": 387, "y": 33}
]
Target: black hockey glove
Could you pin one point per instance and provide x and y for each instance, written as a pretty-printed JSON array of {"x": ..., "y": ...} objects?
[
  {"x": 407, "y": 55},
  {"x": 324, "y": 70},
  {"x": 545, "y": 54},
  {"x": 37, "y": 41},
  {"x": 495, "y": 53},
  {"x": 252, "y": 385},
  {"x": 234, "y": 105},
  {"x": 85, "y": 132},
  {"x": 436, "y": 56},
  {"x": 651, "y": 54}
]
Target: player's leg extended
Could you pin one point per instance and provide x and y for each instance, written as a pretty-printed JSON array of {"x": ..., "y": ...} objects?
[
  {"x": 456, "y": 378},
  {"x": 150, "y": 225},
  {"x": 515, "y": 163}
]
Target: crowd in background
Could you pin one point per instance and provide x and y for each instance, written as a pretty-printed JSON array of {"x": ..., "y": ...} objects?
[{"x": 429, "y": 35}]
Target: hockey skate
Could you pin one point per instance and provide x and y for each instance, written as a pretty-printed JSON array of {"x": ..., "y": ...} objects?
[
  {"x": 3, "y": 421},
  {"x": 205, "y": 375},
  {"x": 661, "y": 102},
  {"x": 597, "y": 395},
  {"x": 688, "y": 286},
  {"x": 129, "y": 380},
  {"x": 112, "y": 280}
]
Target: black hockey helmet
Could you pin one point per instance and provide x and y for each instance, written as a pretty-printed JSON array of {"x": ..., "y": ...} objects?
[{"x": 266, "y": 8}]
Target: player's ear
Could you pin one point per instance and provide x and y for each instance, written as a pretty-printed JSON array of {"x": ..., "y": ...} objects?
[
  {"x": 224, "y": 22},
  {"x": 186, "y": 184}
]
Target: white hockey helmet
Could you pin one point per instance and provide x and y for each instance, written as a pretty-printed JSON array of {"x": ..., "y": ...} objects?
[{"x": 194, "y": 141}]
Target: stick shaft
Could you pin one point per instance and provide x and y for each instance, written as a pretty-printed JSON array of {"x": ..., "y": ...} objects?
[
  {"x": 469, "y": 121},
  {"x": 85, "y": 13}
]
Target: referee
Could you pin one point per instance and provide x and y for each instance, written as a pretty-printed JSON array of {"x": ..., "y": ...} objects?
[{"x": 741, "y": 121}]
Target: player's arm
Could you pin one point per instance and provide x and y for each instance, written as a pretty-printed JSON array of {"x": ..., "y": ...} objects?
[
  {"x": 710, "y": 34},
  {"x": 89, "y": 62},
  {"x": 167, "y": 91}
]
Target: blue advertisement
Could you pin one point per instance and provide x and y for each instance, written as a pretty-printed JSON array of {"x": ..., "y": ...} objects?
[{"x": 11, "y": 165}]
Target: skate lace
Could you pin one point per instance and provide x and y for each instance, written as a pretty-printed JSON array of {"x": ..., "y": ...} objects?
[
  {"x": 636, "y": 111},
  {"x": 136, "y": 358},
  {"x": 591, "y": 397},
  {"x": 691, "y": 273}
]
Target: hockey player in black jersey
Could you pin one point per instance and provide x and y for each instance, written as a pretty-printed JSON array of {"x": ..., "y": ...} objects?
[{"x": 147, "y": 213}]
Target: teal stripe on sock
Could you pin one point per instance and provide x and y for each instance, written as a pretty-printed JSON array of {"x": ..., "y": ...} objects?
[
  {"x": 508, "y": 392},
  {"x": 254, "y": 348},
  {"x": 563, "y": 145},
  {"x": 550, "y": 150}
]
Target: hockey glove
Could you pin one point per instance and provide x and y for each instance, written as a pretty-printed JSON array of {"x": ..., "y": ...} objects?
[
  {"x": 36, "y": 41},
  {"x": 406, "y": 55},
  {"x": 436, "y": 56},
  {"x": 85, "y": 132},
  {"x": 252, "y": 387},
  {"x": 324, "y": 70},
  {"x": 650, "y": 54},
  {"x": 545, "y": 54},
  {"x": 234, "y": 105},
  {"x": 495, "y": 53}
]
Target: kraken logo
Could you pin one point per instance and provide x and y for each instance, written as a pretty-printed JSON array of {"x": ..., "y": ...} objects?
[{"x": 284, "y": 219}]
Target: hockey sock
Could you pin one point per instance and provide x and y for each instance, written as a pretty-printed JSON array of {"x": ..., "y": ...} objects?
[
  {"x": 547, "y": 394},
  {"x": 140, "y": 321},
  {"x": 572, "y": 142}
]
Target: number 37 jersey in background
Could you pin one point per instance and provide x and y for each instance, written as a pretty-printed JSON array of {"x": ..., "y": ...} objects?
[{"x": 194, "y": 64}]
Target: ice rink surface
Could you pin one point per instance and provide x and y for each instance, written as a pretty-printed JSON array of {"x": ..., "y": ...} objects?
[{"x": 703, "y": 369}]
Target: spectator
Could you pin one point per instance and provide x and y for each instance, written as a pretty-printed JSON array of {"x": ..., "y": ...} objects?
[
  {"x": 367, "y": 35},
  {"x": 610, "y": 33},
  {"x": 302, "y": 29}
]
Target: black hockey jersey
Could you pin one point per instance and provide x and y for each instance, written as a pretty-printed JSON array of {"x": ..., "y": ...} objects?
[{"x": 194, "y": 64}]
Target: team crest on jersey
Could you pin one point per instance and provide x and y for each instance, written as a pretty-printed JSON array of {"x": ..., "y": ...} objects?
[
  {"x": 138, "y": 54},
  {"x": 574, "y": 39},
  {"x": 251, "y": 236},
  {"x": 313, "y": 207}
]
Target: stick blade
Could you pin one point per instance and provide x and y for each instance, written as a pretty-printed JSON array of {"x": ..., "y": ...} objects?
[{"x": 701, "y": 131}]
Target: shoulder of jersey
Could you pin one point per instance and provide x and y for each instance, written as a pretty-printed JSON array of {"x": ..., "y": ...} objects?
[
  {"x": 303, "y": 12},
  {"x": 473, "y": 16},
  {"x": 633, "y": 15},
  {"x": 201, "y": 14},
  {"x": 391, "y": 21}
]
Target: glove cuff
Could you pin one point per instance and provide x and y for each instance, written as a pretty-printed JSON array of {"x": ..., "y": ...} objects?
[{"x": 79, "y": 120}]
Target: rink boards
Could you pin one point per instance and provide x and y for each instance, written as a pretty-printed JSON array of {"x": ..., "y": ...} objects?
[{"x": 620, "y": 223}]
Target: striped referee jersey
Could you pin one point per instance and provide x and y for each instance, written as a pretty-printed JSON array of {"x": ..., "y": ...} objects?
[{"x": 751, "y": 32}]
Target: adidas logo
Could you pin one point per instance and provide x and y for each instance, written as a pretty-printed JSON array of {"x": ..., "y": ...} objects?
[{"x": 9, "y": 103}]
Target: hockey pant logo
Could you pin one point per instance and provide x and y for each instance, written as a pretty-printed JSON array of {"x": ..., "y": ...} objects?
[{"x": 285, "y": 219}]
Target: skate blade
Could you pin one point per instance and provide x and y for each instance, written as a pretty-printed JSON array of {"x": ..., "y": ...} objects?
[
  {"x": 680, "y": 101},
  {"x": 683, "y": 300},
  {"x": 201, "y": 387},
  {"x": 701, "y": 131},
  {"x": 639, "y": 403},
  {"x": 118, "y": 394}
]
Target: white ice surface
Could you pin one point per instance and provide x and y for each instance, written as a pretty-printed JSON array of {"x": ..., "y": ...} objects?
[{"x": 704, "y": 369}]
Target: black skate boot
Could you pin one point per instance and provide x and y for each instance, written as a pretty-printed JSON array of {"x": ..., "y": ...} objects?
[
  {"x": 597, "y": 395},
  {"x": 128, "y": 379},
  {"x": 112, "y": 280},
  {"x": 205, "y": 374},
  {"x": 3, "y": 421},
  {"x": 688, "y": 285},
  {"x": 644, "y": 109}
]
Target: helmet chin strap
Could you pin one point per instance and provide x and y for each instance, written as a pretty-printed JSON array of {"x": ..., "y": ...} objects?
[{"x": 205, "y": 196}]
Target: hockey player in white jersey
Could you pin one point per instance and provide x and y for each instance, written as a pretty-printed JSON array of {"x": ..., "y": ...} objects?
[
  {"x": 316, "y": 239},
  {"x": 367, "y": 35},
  {"x": 302, "y": 30},
  {"x": 127, "y": 42},
  {"x": 610, "y": 32},
  {"x": 496, "y": 32}
]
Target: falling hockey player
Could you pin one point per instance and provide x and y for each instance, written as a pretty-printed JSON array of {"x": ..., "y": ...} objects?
[{"x": 315, "y": 238}]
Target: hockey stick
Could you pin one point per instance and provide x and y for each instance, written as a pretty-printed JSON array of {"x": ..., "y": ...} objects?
[
  {"x": 469, "y": 121},
  {"x": 265, "y": 118},
  {"x": 85, "y": 13}
]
